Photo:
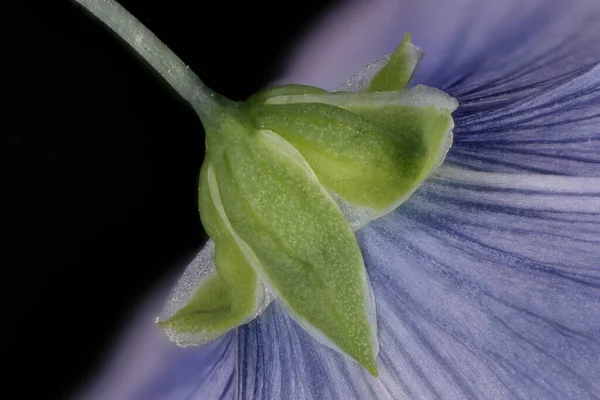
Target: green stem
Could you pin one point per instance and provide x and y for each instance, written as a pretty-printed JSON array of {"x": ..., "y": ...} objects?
[{"x": 204, "y": 101}]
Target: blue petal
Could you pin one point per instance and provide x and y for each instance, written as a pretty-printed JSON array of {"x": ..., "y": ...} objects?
[
  {"x": 500, "y": 46},
  {"x": 487, "y": 286},
  {"x": 555, "y": 130},
  {"x": 470, "y": 44},
  {"x": 504, "y": 271},
  {"x": 193, "y": 373}
]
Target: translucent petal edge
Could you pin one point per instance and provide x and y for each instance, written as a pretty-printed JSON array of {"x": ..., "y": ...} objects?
[{"x": 418, "y": 96}]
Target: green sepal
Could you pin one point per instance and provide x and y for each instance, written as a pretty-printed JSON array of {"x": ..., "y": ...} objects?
[
  {"x": 227, "y": 299},
  {"x": 297, "y": 240},
  {"x": 372, "y": 150},
  {"x": 391, "y": 72},
  {"x": 284, "y": 172},
  {"x": 400, "y": 68}
]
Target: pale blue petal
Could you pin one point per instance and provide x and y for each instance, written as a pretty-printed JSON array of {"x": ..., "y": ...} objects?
[
  {"x": 474, "y": 48},
  {"x": 487, "y": 286},
  {"x": 146, "y": 365},
  {"x": 556, "y": 130},
  {"x": 204, "y": 372},
  {"x": 506, "y": 268},
  {"x": 503, "y": 47}
]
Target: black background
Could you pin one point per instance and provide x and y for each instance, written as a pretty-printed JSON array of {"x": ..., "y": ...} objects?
[{"x": 99, "y": 167}]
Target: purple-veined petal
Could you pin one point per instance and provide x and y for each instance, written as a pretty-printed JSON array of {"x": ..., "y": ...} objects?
[
  {"x": 487, "y": 286},
  {"x": 510, "y": 264},
  {"x": 497, "y": 294},
  {"x": 471, "y": 46},
  {"x": 526, "y": 74},
  {"x": 556, "y": 130}
]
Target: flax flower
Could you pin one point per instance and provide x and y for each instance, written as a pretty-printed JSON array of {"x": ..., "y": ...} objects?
[{"x": 487, "y": 279}]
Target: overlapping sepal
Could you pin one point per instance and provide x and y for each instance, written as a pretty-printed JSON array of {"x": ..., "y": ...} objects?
[
  {"x": 221, "y": 293},
  {"x": 288, "y": 176}
]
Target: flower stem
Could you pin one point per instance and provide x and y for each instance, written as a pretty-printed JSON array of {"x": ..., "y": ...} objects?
[{"x": 204, "y": 101}]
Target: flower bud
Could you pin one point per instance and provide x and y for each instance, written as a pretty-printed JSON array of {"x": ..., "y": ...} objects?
[{"x": 287, "y": 177}]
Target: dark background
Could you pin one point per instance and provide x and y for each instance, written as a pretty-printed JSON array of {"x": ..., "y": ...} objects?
[{"x": 99, "y": 167}]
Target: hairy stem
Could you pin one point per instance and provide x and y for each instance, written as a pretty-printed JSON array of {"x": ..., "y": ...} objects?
[{"x": 204, "y": 101}]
